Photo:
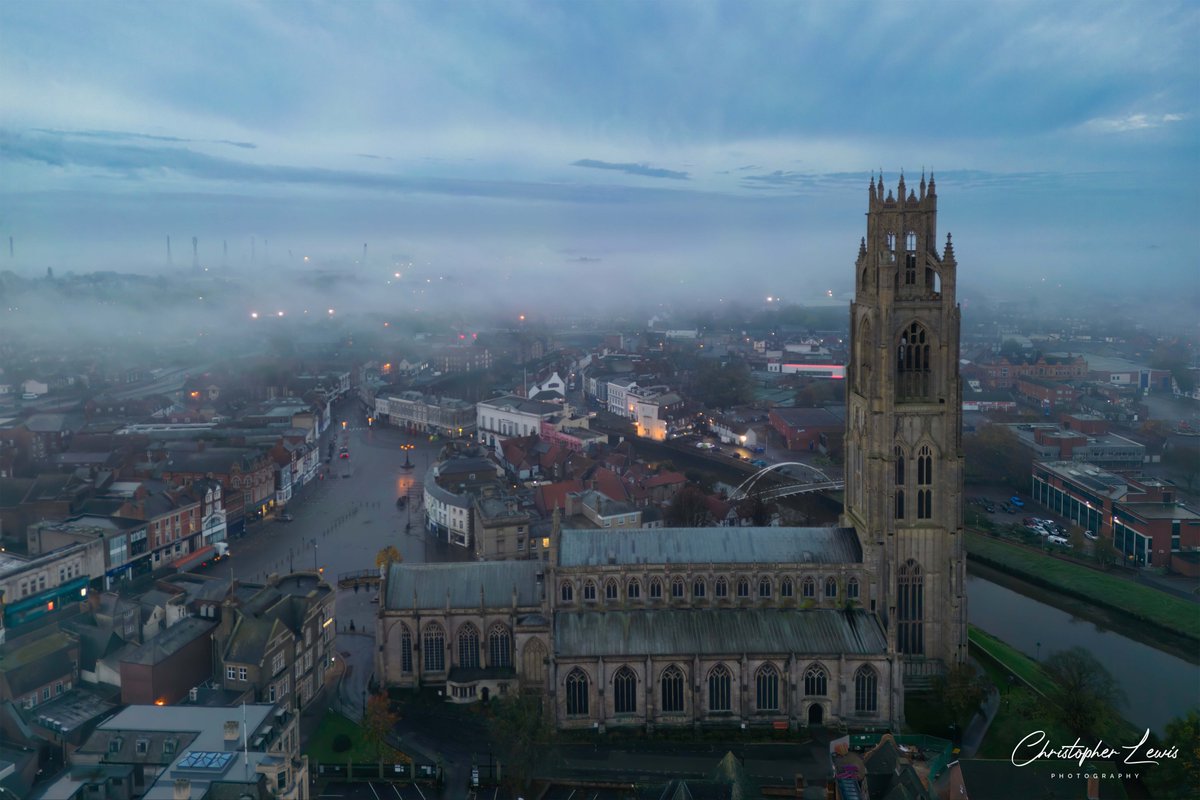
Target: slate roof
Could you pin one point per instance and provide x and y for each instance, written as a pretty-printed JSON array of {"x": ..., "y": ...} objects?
[
  {"x": 719, "y": 631},
  {"x": 248, "y": 642},
  {"x": 170, "y": 641},
  {"x": 737, "y": 545},
  {"x": 431, "y": 582}
]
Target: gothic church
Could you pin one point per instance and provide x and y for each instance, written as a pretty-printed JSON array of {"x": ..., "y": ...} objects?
[{"x": 758, "y": 626}]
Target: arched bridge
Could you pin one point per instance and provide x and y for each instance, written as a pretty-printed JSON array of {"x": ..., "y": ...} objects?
[{"x": 773, "y": 491}]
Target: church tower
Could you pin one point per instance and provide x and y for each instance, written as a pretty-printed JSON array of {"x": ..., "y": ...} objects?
[{"x": 903, "y": 443}]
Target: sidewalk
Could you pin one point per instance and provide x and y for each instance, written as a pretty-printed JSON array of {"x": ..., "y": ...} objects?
[{"x": 977, "y": 728}]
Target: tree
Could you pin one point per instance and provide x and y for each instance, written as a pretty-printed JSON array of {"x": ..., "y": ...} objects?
[
  {"x": 1086, "y": 693},
  {"x": 995, "y": 455},
  {"x": 719, "y": 385},
  {"x": 519, "y": 733},
  {"x": 386, "y": 556},
  {"x": 1178, "y": 777},
  {"x": 759, "y": 511},
  {"x": 688, "y": 509},
  {"x": 1077, "y": 539},
  {"x": 1184, "y": 462},
  {"x": 962, "y": 689},
  {"x": 378, "y": 723},
  {"x": 1104, "y": 552}
]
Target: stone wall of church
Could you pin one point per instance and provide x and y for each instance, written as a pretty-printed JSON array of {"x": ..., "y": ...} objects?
[
  {"x": 712, "y": 586},
  {"x": 469, "y": 638},
  {"x": 688, "y": 689}
]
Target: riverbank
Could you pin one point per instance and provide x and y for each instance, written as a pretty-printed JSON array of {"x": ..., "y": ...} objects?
[{"x": 1143, "y": 613}]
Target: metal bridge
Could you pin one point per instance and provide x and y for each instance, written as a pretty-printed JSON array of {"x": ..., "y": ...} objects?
[{"x": 750, "y": 487}]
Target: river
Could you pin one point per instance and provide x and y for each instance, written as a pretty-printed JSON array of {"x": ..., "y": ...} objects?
[{"x": 1158, "y": 686}]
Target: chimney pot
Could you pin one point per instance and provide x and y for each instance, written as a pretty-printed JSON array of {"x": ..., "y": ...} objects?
[{"x": 182, "y": 789}]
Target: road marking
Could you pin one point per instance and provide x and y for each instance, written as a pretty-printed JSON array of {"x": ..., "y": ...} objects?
[
  {"x": 373, "y": 790},
  {"x": 418, "y": 788},
  {"x": 397, "y": 791}
]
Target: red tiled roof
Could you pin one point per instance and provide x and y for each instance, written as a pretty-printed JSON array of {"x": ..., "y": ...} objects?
[
  {"x": 664, "y": 479},
  {"x": 554, "y": 495}
]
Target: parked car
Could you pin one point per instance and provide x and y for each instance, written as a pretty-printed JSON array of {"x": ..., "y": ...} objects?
[
  {"x": 1091, "y": 535},
  {"x": 760, "y": 449},
  {"x": 705, "y": 445},
  {"x": 284, "y": 517},
  {"x": 758, "y": 462},
  {"x": 1016, "y": 501},
  {"x": 1062, "y": 541},
  {"x": 1009, "y": 509}
]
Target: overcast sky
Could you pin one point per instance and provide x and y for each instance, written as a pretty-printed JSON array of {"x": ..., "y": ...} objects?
[{"x": 653, "y": 144}]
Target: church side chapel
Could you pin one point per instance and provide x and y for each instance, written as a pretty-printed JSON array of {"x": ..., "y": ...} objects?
[{"x": 711, "y": 626}]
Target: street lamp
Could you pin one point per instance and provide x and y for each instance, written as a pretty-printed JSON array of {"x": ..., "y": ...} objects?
[{"x": 406, "y": 448}]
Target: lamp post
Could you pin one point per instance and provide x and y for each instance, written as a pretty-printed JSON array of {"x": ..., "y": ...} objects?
[{"x": 406, "y": 448}]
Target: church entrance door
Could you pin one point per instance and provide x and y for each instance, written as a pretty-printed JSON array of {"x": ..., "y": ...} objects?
[{"x": 816, "y": 714}]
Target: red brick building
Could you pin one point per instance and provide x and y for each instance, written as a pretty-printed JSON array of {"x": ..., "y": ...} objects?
[
  {"x": 1140, "y": 515},
  {"x": 1004, "y": 373},
  {"x": 808, "y": 428},
  {"x": 1047, "y": 394}
]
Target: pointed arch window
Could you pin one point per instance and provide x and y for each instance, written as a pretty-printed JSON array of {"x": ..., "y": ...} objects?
[
  {"x": 656, "y": 589},
  {"x": 852, "y": 588},
  {"x": 610, "y": 590},
  {"x": 924, "y": 483},
  {"x": 719, "y": 689},
  {"x": 830, "y": 587},
  {"x": 433, "y": 648},
  {"x": 672, "y": 690},
  {"x": 764, "y": 587},
  {"x": 625, "y": 691},
  {"x": 815, "y": 681},
  {"x": 468, "y": 646},
  {"x": 577, "y": 693},
  {"x": 910, "y": 609},
  {"x": 808, "y": 588},
  {"x": 499, "y": 646},
  {"x": 866, "y": 690},
  {"x": 633, "y": 589},
  {"x": 910, "y": 259},
  {"x": 766, "y": 688},
  {"x": 743, "y": 587},
  {"x": 899, "y": 504},
  {"x": 722, "y": 588},
  {"x": 677, "y": 588},
  {"x": 406, "y": 649},
  {"x": 698, "y": 588},
  {"x": 786, "y": 587},
  {"x": 589, "y": 591},
  {"x": 567, "y": 592},
  {"x": 913, "y": 364}
]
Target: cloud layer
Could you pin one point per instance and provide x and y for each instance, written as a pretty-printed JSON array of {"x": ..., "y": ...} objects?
[{"x": 684, "y": 132}]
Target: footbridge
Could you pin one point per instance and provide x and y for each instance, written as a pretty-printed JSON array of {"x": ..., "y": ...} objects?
[{"x": 773, "y": 490}]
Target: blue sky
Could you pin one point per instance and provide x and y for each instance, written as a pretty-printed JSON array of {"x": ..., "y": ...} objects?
[{"x": 686, "y": 146}]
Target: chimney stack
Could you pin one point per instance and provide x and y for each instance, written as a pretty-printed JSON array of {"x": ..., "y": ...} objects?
[
  {"x": 182, "y": 789},
  {"x": 231, "y": 734}
]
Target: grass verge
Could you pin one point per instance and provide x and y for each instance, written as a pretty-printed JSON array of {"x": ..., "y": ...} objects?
[
  {"x": 1117, "y": 594},
  {"x": 320, "y": 746}
]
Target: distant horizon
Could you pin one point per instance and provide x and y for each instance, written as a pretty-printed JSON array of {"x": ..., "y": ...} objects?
[{"x": 676, "y": 150}]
